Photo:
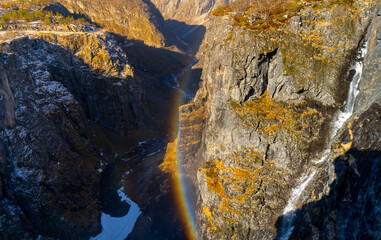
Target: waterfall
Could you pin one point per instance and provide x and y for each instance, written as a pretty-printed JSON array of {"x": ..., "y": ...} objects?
[
  {"x": 342, "y": 116},
  {"x": 347, "y": 111},
  {"x": 289, "y": 212}
]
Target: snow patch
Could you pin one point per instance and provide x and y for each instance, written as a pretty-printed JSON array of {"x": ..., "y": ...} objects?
[{"x": 119, "y": 228}]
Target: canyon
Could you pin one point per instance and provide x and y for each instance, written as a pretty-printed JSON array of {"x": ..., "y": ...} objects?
[{"x": 131, "y": 119}]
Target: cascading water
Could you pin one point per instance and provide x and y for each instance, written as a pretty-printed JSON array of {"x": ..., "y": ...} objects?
[
  {"x": 342, "y": 116},
  {"x": 347, "y": 111},
  {"x": 289, "y": 211}
]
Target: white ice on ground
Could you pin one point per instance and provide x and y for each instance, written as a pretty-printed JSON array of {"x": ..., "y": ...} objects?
[{"x": 119, "y": 228}]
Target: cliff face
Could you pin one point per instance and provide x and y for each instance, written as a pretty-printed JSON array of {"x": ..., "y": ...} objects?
[
  {"x": 64, "y": 89},
  {"x": 138, "y": 20},
  {"x": 188, "y": 10},
  {"x": 269, "y": 97},
  {"x": 349, "y": 207},
  {"x": 44, "y": 133}
]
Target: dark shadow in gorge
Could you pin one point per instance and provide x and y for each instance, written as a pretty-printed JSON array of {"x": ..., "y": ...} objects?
[
  {"x": 143, "y": 182},
  {"x": 105, "y": 105},
  {"x": 186, "y": 37},
  {"x": 352, "y": 208}
]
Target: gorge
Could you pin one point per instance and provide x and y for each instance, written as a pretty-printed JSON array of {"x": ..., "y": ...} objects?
[{"x": 190, "y": 119}]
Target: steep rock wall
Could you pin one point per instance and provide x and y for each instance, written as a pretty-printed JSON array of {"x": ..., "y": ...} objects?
[
  {"x": 269, "y": 96},
  {"x": 188, "y": 11},
  {"x": 138, "y": 20},
  {"x": 56, "y": 85},
  {"x": 349, "y": 184},
  {"x": 48, "y": 165}
]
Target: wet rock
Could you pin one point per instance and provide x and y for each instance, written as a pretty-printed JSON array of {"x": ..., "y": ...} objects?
[
  {"x": 344, "y": 204},
  {"x": 351, "y": 208},
  {"x": 369, "y": 87}
]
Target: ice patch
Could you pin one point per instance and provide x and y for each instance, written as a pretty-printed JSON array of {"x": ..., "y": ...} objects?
[
  {"x": 119, "y": 228},
  {"x": 153, "y": 153}
]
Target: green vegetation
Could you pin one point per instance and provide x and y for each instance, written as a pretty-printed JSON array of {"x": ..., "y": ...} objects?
[
  {"x": 47, "y": 17},
  {"x": 263, "y": 14}
]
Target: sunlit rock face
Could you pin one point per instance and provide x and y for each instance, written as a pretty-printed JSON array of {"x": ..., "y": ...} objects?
[
  {"x": 270, "y": 96},
  {"x": 74, "y": 96},
  {"x": 188, "y": 10},
  {"x": 138, "y": 20}
]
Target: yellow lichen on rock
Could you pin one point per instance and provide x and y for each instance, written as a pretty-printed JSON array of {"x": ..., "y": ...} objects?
[
  {"x": 269, "y": 116},
  {"x": 209, "y": 216},
  {"x": 241, "y": 186},
  {"x": 169, "y": 165}
]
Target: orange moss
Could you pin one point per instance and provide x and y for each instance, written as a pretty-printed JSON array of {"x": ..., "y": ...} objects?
[
  {"x": 269, "y": 116},
  {"x": 222, "y": 10},
  {"x": 242, "y": 185},
  {"x": 213, "y": 180},
  {"x": 350, "y": 130},
  {"x": 209, "y": 216},
  {"x": 264, "y": 14},
  {"x": 169, "y": 165}
]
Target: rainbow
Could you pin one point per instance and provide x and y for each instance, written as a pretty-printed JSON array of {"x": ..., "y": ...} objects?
[
  {"x": 178, "y": 180},
  {"x": 183, "y": 203}
]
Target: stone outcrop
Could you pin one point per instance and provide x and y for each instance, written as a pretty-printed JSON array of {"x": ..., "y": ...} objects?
[
  {"x": 269, "y": 97},
  {"x": 138, "y": 20},
  {"x": 261, "y": 117},
  {"x": 44, "y": 133},
  {"x": 188, "y": 10},
  {"x": 64, "y": 90}
]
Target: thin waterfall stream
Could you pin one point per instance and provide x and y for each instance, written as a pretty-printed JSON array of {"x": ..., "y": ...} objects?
[{"x": 289, "y": 212}]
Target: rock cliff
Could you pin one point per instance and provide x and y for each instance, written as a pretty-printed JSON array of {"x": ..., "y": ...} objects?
[
  {"x": 264, "y": 112},
  {"x": 188, "y": 11},
  {"x": 78, "y": 105},
  {"x": 44, "y": 133},
  {"x": 349, "y": 206},
  {"x": 72, "y": 97},
  {"x": 138, "y": 20}
]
